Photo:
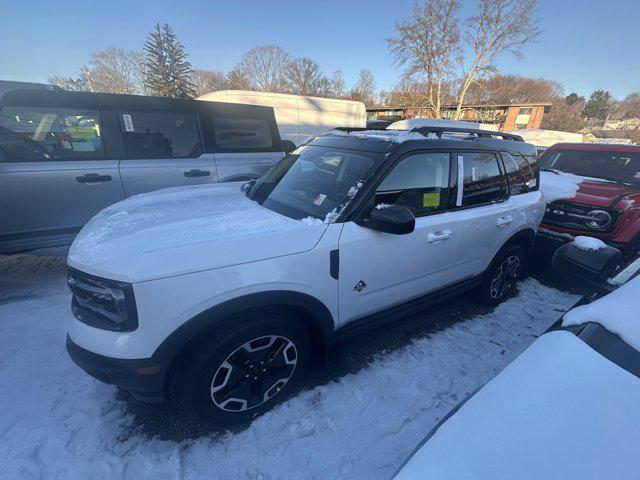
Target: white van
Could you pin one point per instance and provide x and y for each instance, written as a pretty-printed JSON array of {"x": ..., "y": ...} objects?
[{"x": 299, "y": 117}]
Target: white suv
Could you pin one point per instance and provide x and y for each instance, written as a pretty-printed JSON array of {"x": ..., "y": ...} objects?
[{"x": 229, "y": 291}]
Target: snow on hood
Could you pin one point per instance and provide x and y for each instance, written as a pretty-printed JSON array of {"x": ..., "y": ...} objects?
[
  {"x": 185, "y": 229},
  {"x": 617, "y": 312},
  {"x": 555, "y": 186}
]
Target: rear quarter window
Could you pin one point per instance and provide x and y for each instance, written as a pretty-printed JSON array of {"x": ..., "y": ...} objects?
[{"x": 242, "y": 133}]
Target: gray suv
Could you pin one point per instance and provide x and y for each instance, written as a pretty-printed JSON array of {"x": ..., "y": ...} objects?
[{"x": 64, "y": 156}]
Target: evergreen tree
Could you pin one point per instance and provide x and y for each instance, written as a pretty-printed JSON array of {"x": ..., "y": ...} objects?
[
  {"x": 598, "y": 105},
  {"x": 167, "y": 70}
]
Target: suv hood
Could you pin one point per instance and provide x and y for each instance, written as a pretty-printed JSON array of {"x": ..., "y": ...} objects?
[
  {"x": 604, "y": 193},
  {"x": 180, "y": 230}
]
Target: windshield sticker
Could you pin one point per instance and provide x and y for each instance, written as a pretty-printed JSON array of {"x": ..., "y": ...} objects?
[
  {"x": 474, "y": 174},
  {"x": 431, "y": 199},
  {"x": 319, "y": 199},
  {"x": 128, "y": 122}
]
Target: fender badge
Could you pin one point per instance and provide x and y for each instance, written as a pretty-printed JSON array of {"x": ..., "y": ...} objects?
[{"x": 359, "y": 286}]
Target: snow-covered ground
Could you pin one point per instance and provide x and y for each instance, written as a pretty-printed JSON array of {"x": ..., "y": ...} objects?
[{"x": 57, "y": 422}]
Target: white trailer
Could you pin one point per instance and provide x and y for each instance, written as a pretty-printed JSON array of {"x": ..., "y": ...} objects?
[{"x": 299, "y": 117}]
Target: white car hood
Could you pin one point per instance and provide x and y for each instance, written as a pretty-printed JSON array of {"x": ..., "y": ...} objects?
[{"x": 180, "y": 230}]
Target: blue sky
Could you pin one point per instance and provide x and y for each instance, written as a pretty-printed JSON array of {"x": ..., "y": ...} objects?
[{"x": 584, "y": 44}]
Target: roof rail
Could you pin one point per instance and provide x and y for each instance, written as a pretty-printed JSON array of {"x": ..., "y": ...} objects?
[
  {"x": 476, "y": 131},
  {"x": 351, "y": 129}
]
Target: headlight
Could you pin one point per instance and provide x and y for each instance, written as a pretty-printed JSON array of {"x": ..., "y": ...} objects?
[
  {"x": 598, "y": 219},
  {"x": 101, "y": 303}
]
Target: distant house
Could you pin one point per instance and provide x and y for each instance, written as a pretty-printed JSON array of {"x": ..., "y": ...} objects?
[{"x": 504, "y": 116}]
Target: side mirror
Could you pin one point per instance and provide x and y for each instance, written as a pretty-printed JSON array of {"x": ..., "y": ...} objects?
[
  {"x": 246, "y": 187},
  {"x": 287, "y": 146},
  {"x": 394, "y": 219},
  {"x": 590, "y": 268}
]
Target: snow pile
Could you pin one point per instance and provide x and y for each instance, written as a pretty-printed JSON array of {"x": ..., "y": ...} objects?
[
  {"x": 617, "y": 312},
  {"x": 57, "y": 422},
  {"x": 380, "y": 206},
  {"x": 395, "y": 136},
  {"x": 556, "y": 186},
  {"x": 559, "y": 411},
  {"x": 589, "y": 244}
]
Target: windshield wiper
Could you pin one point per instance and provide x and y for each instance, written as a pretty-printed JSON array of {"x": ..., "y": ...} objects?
[{"x": 552, "y": 170}]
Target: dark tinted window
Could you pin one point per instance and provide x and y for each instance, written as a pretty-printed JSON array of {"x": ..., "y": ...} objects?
[
  {"x": 33, "y": 134},
  {"x": 482, "y": 179},
  {"x": 242, "y": 133},
  {"x": 419, "y": 182},
  {"x": 517, "y": 182},
  {"x": 611, "y": 165},
  {"x": 159, "y": 135}
]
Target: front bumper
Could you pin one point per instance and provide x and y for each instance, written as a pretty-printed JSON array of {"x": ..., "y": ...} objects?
[
  {"x": 144, "y": 378},
  {"x": 552, "y": 239}
]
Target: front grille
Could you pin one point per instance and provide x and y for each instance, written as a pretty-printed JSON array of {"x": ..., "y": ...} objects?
[{"x": 576, "y": 216}]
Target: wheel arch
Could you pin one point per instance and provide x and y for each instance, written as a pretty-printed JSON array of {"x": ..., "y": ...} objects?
[{"x": 177, "y": 348}]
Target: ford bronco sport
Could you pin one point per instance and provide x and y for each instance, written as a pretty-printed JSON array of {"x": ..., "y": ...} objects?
[{"x": 230, "y": 290}]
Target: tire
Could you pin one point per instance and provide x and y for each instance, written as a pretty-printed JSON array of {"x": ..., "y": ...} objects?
[
  {"x": 225, "y": 383},
  {"x": 502, "y": 275}
]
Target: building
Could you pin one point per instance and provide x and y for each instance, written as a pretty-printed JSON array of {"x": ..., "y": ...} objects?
[{"x": 504, "y": 116}]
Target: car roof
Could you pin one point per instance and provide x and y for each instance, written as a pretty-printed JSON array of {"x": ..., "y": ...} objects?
[
  {"x": 610, "y": 147},
  {"x": 113, "y": 101},
  {"x": 400, "y": 141}
]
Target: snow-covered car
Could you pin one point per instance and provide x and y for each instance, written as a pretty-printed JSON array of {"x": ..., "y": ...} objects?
[
  {"x": 569, "y": 406},
  {"x": 231, "y": 290}
]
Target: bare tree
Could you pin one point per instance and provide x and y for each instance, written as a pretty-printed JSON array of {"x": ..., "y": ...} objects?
[
  {"x": 205, "y": 81},
  {"x": 304, "y": 77},
  {"x": 500, "y": 26},
  {"x": 115, "y": 70},
  {"x": 565, "y": 114},
  {"x": 425, "y": 45},
  {"x": 513, "y": 88},
  {"x": 337, "y": 85},
  {"x": 265, "y": 68},
  {"x": 69, "y": 83},
  {"x": 237, "y": 80},
  {"x": 365, "y": 88}
]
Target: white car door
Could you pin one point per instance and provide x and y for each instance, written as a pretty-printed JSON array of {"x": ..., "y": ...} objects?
[
  {"x": 483, "y": 211},
  {"x": 380, "y": 270}
]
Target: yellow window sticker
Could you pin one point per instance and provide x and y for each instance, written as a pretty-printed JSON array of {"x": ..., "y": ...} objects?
[{"x": 431, "y": 199}]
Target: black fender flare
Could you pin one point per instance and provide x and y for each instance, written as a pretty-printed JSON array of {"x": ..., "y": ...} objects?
[{"x": 315, "y": 314}]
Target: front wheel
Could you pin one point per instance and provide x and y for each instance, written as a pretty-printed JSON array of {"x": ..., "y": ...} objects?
[
  {"x": 501, "y": 277},
  {"x": 242, "y": 374}
]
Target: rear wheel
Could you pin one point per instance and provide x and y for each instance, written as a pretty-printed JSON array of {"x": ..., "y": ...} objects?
[
  {"x": 239, "y": 375},
  {"x": 501, "y": 277}
]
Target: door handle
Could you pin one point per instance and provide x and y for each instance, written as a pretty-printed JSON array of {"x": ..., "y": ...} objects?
[
  {"x": 504, "y": 221},
  {"x": 93, "y": 178},
  {"x": 196, "y": 173},
  {"x": 439, "y": 236}
]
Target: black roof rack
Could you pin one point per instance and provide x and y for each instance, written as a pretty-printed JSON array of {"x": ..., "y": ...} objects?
[
  {"x": 479, "y": 133},
  {"x": 438, "y": 131}
]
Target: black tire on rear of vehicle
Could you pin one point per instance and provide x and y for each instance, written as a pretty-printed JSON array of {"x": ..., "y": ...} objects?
[
  {"x": 502, "y": 275},
  {"x": 246, "y": 371}
]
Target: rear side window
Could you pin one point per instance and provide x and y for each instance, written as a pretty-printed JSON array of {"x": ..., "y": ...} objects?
[
  {"x": 482, "y": 179},
  {"x": 515, "y": 177},
  {"x": 242, "y": 133},
  {"x": 160, "y": 135},
  {"x": 528, "y": 166},
  {"x": 48, "y": 134}
]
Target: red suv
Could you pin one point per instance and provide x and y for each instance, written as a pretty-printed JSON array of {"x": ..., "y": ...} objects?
[{"x": 608, "y": 209}]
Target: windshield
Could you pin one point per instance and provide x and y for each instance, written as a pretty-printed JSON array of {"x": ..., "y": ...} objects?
[
  {"x": 316, "y": 182},
  {"x": 609, "y": 165}
]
